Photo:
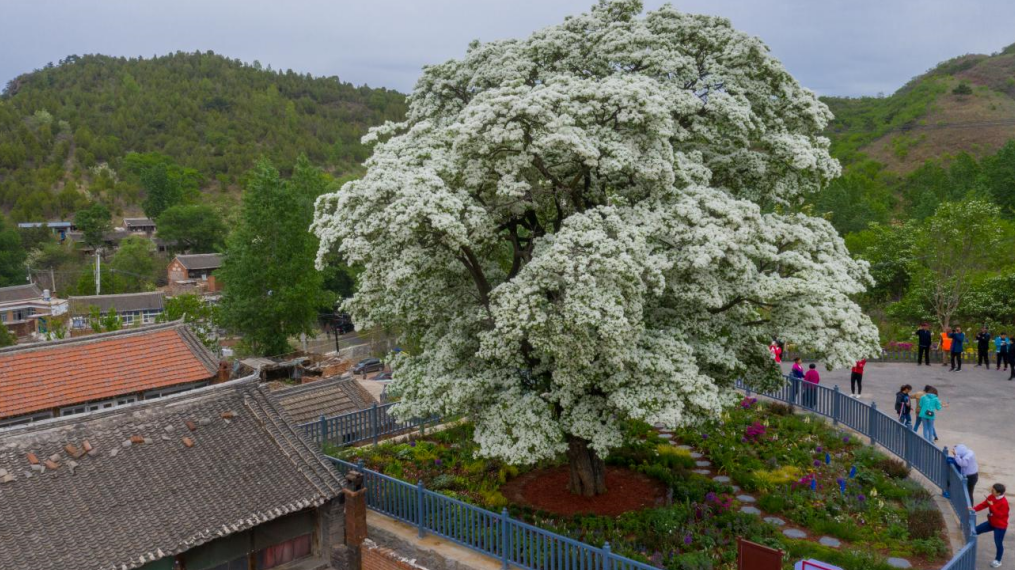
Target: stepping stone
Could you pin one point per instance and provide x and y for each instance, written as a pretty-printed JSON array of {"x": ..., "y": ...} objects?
[
  {"x": 721, "y": 479},
  {"x": 701, "y": 471},
  {"x": 684, "y": 447},
  {"x": 746, "y": 498},
  {"x": 736, "y": 489},
  {"x": 750, "y": 510},
  {"x": 775, "y": 520},
  {"x": 829, "y": 541},
  {"x": 659, "y": 425},
  {"x": 794, "y": 533},
  {"x": 899, "y": 563},
  {"x": 666, "y": 435},
  {"x": 703, "y": 463},
  {"x": 696, "y": 455}
]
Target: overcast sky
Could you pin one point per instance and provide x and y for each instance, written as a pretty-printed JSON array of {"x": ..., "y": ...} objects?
[{"x": 835, "y": 47}]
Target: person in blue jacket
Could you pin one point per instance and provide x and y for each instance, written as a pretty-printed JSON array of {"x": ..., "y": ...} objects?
[
  {"x": 958, "y": 345},
  {"x": 1001, "y": 347}
]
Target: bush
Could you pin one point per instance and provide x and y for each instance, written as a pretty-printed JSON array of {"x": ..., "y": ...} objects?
[
  {"x": 694, "y": 561},
  {"x": 892, "y": 467},
  {"x": 925, "y": 520},
  {"x": 780, "y": 409},
  {"x": 962, "y": 88},
  {"x": 773, "y": 503},
  {"x": 930, "y": 547}
]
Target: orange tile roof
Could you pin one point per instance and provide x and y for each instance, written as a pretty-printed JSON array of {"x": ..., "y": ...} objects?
[{"x": 42, "y": 377}]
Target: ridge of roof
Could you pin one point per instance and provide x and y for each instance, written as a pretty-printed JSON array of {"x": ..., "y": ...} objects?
[
  {"x": 118, "y": 295},
  {"x": 92, "y": 338}
]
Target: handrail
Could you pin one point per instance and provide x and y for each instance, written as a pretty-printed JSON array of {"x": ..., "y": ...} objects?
[{"x": 369, "y": 424}]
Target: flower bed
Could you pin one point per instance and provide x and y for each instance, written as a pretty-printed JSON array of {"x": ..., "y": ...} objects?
[{"x": 800, "y": 469}]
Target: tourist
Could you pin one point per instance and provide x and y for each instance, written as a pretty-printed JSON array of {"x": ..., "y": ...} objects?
[
  {"x": 946, "y": 346},
  {"x": 923, "y": 341},
  {"x": 856, "y": 378},
  {"x": 1001, "y": 347},
  {"x": 796, "y": 375},
  {"x": 776, "y": 351},
  {"x": 930, "y": 405},
  {"x": 965, "y": 460},
  {"x": 903, "y": 406},
  {"x": 914, "y": 400},
  {"x": 997, "y": 519},
  {"x": 958, "y": 344},
  {"x": 983, "y": 348},
  {"x": 811, "y": 391}
]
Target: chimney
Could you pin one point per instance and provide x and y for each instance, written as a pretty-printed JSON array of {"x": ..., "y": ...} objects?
[
  {"x": 223, "y": 373},
  {"x": 355, "y": 518},
  {"x": 45, "y": 295}
]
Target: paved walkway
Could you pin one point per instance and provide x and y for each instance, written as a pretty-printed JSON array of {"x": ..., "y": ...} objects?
[{"x": 980, "y": 414}]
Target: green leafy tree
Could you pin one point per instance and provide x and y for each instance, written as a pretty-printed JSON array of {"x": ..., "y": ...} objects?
[
  {"x": 104, "y": 323},
  {"x": 7, "y": 338},
  {"x": 194, "y": 227},
  {"x": 12, "y": 256},
  {"x": 95, "y": 222},
  {"x": 195, "y": 311},
  {"x": 161, "y": 190},
  {"x": 134, "y": 265},
  {"x": 272, "y": 290},
  {"x": 997, "y": 177},
  {"x": 961, "y": 243}
]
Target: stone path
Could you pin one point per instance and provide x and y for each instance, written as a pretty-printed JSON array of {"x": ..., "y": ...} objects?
[{"x": 747, "y": 501}]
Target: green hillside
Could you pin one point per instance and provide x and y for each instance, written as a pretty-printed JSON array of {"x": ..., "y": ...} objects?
[{"x": 66, "y": 130}]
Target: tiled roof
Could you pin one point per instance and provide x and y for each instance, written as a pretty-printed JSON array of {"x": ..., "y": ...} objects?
[
  {"x": 329, "y": 397},
  {"x": 60, "y": 373},
  {"x": 19, "y": 293},
  {"x": 124, "y": 302},
  {"x": 201, "y": 260},
  {"x": 124, "y": 487},
  {"x": 138, "y": 222}
]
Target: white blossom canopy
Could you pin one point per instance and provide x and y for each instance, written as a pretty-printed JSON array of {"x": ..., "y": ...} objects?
[{"x": 595, "y": 224}]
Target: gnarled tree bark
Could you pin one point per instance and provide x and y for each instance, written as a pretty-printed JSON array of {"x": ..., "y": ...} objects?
[{"x": 588, "y": 470}]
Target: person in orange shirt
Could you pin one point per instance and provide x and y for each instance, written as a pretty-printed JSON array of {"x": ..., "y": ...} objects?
[{"x": 946, "y": 346}]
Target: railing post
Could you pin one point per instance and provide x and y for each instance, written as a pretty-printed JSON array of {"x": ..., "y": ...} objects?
[
  {"x": 607, "y": 563},
  {"x": 796, "y": 390},
  {"x": 324, "y": 429},
  {"x": 420, "y": 506},
  {"x": 835, "y": 406},
  {"x": 373, "y": 422},
  {"x": 872, "y": 423},
  {"x": 972, "y": 527},
  {"x": 945, "y": 490},
  {"x": 505, "y": 538}
]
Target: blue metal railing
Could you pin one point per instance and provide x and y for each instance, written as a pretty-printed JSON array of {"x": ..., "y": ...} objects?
[
  {"x": 371, "y": 424},
  {"x": 897, "y": 438},
  {"x": 513, "y": 542}
]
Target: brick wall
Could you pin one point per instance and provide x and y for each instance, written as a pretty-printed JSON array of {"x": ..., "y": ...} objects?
[{"x": 379, "y": 558}]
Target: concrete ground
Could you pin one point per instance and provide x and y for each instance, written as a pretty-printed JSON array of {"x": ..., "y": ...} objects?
[{"x": 979, "y": 413}]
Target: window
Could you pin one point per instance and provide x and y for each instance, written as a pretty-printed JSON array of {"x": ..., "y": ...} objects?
[
  {"x": 128, "y": 319},
  {"x": 21, "y": 420},
  {"x": 148, "y": 317},
  {"x": 79, "y": 322},
  {"x": 292, "y": 549}
]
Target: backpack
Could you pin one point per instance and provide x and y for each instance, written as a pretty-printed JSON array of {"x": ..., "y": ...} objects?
[{"x": 900, "y": 401}]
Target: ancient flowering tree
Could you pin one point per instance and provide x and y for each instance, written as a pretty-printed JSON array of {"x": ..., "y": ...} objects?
[{"x": 597, "y": 223}]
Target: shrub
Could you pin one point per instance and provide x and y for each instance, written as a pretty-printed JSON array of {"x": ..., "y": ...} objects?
[
  {"x": 930, "y": 547},
  {"x": 892, "y": 467},
  {"x": 773, "y": 503},
  {"x": 962, "y": 88},
  {"x": 924, "y": 520},
  {"x": 780, "y": 409},
  {"x": 693, "y": 561},
  {"x": 780, "y": 476}
]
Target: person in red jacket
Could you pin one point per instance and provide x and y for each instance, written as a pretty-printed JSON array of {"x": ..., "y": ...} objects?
[
  {"x": 997, "y": 519},
  {"x": 856, "y": 378}
]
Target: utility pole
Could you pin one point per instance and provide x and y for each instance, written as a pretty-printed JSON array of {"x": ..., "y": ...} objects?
[
  {"x": 52, "y": 282},
  {"x": 98, "y": 273}
]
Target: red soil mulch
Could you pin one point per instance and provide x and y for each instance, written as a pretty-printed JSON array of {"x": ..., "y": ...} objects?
[{"x": 546, "y": 489}]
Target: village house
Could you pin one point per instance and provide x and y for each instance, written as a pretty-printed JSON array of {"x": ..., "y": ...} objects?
[
  {"x": 133, "y": 308},
  {"x": 194, "y": 270},
  {"x": 214, "y": 479},
  {"x": 96, "y": 372},
  {"x": 25, "y": 309},
  {"x": 328, "y": 397},
  {"x": 139, "y": 225}
]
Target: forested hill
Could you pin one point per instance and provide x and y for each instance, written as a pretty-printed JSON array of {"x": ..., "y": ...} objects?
[
  {"x": 210, "y": 114},
  {"x": 965, "y": 104}
]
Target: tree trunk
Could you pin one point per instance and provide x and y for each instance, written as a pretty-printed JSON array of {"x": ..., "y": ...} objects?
[{"x": 588, "y": 471}]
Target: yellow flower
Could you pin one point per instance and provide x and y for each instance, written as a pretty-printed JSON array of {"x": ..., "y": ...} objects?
[{"x": 874, "y": 492}]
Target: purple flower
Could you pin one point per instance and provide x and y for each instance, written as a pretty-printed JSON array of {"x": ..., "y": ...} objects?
[
  {"x": 817, "y": 463},
  {"x": 412, "y": 443},
  {"x": 687, "y": 538},
  {"x": 818, "y": 450},
  {"x": 845, "y": 439},
  {"x": 704, "y": 436},
  {"x": 861, "y": 498},
  {"x": 437, "y": 462},
  {"x": 710, "y": 497}
]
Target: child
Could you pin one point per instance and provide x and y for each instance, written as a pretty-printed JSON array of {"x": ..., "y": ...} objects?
[
  {"x": 929, "y": 406},
  {"x": 914, "y": 401},
  {"x": 997, "y": 519},
  {"x": 902, "y": 405}
]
